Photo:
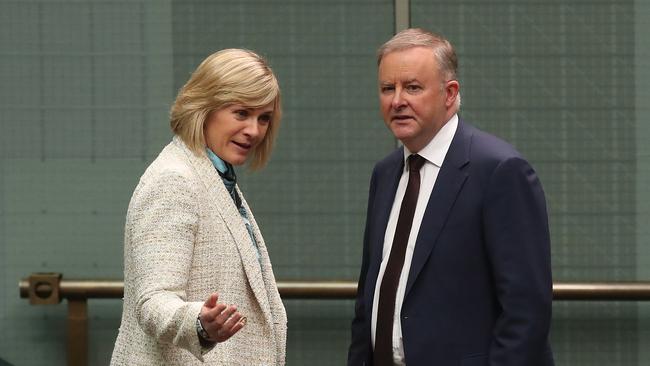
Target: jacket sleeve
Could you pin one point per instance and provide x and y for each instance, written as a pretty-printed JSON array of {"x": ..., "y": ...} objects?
[
  {"x": 161, "y": 226},
  {"x": 360, "y": 352},
  {"x": 518, "y": 246}
]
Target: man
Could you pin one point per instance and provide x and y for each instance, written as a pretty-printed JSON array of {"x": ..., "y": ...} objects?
[{"x": 456, "y": 257}]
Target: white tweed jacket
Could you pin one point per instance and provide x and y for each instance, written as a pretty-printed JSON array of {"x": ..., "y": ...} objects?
[{"x": 185, "y": 239}]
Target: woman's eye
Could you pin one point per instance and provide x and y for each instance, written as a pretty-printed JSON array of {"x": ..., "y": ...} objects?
[
  {"x": 241, "y": 113},
  {"x": 265, "y": 118}
]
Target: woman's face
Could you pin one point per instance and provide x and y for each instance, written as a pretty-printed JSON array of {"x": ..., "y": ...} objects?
[{"x": 234, "y": 131}]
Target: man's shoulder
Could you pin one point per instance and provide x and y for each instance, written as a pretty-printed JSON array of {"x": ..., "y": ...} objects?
[
  {"x": 394, "y": 158},
  {"x": 487, "y": 145}
]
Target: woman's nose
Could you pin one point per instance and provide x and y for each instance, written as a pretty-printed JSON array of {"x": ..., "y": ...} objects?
[{"x": 252, "y": 129}]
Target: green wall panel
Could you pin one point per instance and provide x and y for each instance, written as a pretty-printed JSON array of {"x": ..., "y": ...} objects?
[
  {"x": 554, "y": 78},
  {"x": 85, "y": 89},
  {"x": 86, "y": 86}
]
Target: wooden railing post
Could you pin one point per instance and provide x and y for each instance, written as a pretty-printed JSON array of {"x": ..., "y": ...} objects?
[{"x": 77, "y": 332}]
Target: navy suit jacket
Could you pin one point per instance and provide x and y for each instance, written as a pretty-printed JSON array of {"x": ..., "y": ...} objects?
[{"x": 479, "y": 290}]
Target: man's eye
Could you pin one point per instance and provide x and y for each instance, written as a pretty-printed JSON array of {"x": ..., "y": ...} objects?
[
  {"x": 387, "y": 89},
  {"x": 413, "y": 88}
]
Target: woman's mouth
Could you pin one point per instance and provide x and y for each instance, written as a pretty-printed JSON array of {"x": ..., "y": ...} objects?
[{"x": 243, "y": 145}]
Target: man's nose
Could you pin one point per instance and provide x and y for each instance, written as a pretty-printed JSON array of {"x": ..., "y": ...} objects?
[{"x": 398, "y": 101}]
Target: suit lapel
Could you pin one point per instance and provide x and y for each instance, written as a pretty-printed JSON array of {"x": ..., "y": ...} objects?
[
  {"x": 448, "y": 185},
  {"x": 387, "y": 182},
  {"x": 221, "y": 200}
]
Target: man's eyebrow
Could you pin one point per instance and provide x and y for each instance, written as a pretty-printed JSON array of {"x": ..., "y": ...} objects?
[{"x": 407, "y": 81}]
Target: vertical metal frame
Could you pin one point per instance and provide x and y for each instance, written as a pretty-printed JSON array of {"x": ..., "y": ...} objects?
[{"x": 402, "y": 15}]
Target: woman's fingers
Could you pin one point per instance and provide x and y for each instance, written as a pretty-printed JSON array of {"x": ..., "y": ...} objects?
[
  {"x": 220, "y": 320},
  {"x": 226, "y": 314},
  {"x": 232, "y": 321},
  {"x": 209, "y": 315},
  {"x": 212, "y": 300},
  {"x": 231, "y": 326}
]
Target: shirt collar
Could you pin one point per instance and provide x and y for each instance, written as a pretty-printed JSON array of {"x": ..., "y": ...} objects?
[
  {"x": 219, "y": 164},
  {"x": 436, "y": 150}
]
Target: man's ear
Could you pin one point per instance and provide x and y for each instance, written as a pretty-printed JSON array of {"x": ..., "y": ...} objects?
[{"x": 452, "y": 87}]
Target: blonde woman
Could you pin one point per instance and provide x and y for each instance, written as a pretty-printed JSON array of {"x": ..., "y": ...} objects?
[{"x": 198, "y": 284}]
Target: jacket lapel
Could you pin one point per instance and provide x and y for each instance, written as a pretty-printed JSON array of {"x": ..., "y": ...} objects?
[
  {"x": 387, "y": 182},
  {"x": 448, "y": 185},
  {"x": 272, "y": 294},
  {"x": 221, "y": 200},
  {"x": 278, "y": 316}
]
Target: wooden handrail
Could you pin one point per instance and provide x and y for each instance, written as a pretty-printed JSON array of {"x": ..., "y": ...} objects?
[{"x": 50, "y": 288}]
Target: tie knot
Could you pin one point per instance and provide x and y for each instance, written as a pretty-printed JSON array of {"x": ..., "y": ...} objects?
[{"x": 415, "y": 162}]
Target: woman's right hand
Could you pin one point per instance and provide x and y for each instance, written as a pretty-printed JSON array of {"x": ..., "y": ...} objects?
[{"x": 221, "y": 321}]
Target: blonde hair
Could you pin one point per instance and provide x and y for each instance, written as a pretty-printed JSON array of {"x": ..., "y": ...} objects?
[{"x": 227, "y": 77}]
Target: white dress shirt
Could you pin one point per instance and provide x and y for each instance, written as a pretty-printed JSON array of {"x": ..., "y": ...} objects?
[{"x": 434, "y": 153}]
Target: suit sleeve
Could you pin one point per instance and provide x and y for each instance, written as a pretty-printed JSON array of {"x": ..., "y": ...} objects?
[
  {"x": 162, "y": 222},
  {"x": 360, "y": 352},
  {"x": 518, "y": 246}
]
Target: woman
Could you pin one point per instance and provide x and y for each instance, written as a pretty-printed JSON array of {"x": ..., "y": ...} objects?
[{"x": 198, "y": 284}]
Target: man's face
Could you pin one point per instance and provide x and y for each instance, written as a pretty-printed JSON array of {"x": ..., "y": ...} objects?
[{"x": 415, "y": 99}]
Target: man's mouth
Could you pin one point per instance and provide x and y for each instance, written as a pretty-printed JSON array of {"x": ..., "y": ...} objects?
[{"x": 401, "y": 118}]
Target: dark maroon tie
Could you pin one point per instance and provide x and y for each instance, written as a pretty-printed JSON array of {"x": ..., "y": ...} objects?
[{"x": 383, "y": 354}]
